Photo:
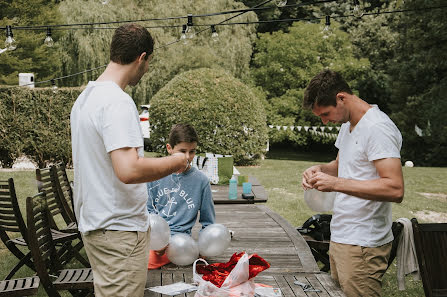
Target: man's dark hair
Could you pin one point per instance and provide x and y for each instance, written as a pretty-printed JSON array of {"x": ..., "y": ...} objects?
[
  {"x": 182, "y": 133},
  {"x": 323, "y": 89},
  {"x": 129, "y": 42}
]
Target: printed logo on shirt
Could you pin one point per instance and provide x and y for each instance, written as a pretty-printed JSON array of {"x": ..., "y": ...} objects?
[{"x": 167, "y": 199}]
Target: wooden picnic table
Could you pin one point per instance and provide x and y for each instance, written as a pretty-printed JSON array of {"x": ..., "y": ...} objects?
[
  {"x": 220, "y": 193},
  {"x": 257, "y": 229}
]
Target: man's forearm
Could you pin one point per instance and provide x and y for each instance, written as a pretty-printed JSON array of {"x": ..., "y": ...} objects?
[
  {"x": 381, "y": 189},
  {"x": 330, "y": 168}
]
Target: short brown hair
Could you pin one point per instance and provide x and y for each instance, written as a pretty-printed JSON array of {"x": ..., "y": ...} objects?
[
  {"x": 129, "y": 42},
  {"x": 323, "y": 89},
  {"x": 182, "y": 133}
]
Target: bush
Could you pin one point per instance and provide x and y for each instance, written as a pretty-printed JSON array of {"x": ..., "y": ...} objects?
[
  {"x": 36, "y": 123},
  {"x": 225, "y": 112}
]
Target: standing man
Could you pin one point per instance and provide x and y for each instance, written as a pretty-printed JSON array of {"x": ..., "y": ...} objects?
[
  {"x": 367, "y": 176},
  {"x": 110, "y": 170}
]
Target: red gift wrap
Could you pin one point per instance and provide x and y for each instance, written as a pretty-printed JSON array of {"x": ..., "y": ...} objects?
[{"x": 217, "y": 273}]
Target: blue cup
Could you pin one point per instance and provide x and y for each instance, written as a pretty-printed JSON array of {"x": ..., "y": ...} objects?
[{"x": 246, "y": 188}]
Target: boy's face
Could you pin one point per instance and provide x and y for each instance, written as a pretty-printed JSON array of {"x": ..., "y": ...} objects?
[{"x": 187, "y": 148}]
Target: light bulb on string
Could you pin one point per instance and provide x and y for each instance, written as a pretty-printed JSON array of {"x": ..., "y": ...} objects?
[
  {"x": 10, "y": 42},
  {"x": 214, "y": 34},
  {"x": 183, "y": 36},
  {"x": 357, "y": 11},
  {"x": 54, "y": 86},
  {"x": 189, "y": 27},
  {"x": 327, "y": 28},
  {"x": 48, "y": 40},
  {"x": 281, "y": 3}
]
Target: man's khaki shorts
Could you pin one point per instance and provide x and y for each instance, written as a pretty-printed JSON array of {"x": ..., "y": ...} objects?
[
  {"x": 119, "y": 261},
  {"x": 359, "y": 270}
]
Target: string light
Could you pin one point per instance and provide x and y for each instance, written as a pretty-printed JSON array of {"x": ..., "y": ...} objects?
[
  {"x": 10, "y": 42},
  {"x": 327, "y": 28},
  {"x": 214, "y": 34},
  {"x": 281, "y": 3},
  {"x": 189, "y": 27},
  {"x": 48, "y": 40},
  {"x": 357, "y": 11},
  {"x": 183, "y": 36},
  {"x": 54, "y": 86}
]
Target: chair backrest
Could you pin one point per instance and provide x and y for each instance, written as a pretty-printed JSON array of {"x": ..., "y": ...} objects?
[
  {"x": 64, "y": 189},
  {"x": 45, "y": 183},
  {"x": 11, "y": 218},
  {"x": 431, "y": 248},
  {"x": 46, "y": 259}
]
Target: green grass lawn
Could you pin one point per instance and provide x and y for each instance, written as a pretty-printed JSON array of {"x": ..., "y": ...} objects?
[{"x": 280, "y": 174}]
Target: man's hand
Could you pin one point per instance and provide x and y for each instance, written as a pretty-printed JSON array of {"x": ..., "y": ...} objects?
[
  {"x": 322, "y": 182},
  {"x": 183, "y": 160},
  {"x": 308, "y": 174}
]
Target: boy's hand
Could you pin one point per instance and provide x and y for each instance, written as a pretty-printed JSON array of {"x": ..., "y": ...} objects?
[{"x": 162, "y": 251}]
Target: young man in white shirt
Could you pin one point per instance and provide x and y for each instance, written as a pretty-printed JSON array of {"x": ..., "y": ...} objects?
[
  {"x": 367, "y": 176},
  {"x": 110, "y": 170}
]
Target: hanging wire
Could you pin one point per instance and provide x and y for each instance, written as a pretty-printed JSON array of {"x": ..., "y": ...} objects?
[{"x": 222, "y": 23}]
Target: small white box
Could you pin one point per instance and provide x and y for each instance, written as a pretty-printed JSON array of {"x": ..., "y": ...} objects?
[{"x": 26, "y": 79}]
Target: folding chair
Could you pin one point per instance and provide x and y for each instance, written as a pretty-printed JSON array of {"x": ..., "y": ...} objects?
[
  {"x": 60, "y": 178},
  {"x": 47, "y": 260},
  {"x": 11, "y": 220},
  {"x": 430, "y": 241},
  {"x": 19, "y": 287},
  {"x": 47, "y": 181}
]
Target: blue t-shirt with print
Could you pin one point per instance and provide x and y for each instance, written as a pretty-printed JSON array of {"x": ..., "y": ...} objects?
[{"x": 178, "y": 198}]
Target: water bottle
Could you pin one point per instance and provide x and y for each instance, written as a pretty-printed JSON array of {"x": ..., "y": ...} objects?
[{"x": 232, "y": 193}]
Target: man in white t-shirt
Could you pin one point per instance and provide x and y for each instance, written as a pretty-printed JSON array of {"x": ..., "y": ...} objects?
[
  {"x": 110, "y": 170},
  {"x": 367, "y": 176}
]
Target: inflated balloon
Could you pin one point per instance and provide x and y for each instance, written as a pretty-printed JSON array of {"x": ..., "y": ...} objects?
[
  {"x": 182, "y": 249},
  {"x": 160, "y": 232},
  {"x": 213, "y": 240}
]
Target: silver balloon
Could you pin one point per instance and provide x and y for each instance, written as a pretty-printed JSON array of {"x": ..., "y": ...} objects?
[
  {"x": 213, "y": 240},
  {"x": 182, "y": 249},
  {"x": 160, "y": 232}
]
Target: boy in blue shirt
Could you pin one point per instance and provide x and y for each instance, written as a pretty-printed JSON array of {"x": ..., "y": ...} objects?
[{"x": 178, "y": 198}]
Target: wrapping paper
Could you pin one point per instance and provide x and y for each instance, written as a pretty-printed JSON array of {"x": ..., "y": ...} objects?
[{"x": 216, "y": 273}]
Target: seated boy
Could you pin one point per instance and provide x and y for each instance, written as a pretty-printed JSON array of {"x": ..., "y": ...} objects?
[{"x": 178, "y": 198}]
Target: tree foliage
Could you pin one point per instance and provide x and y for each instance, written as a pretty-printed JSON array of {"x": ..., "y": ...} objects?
[
  {"x": 31, "y": 54},
  {"x": 85, "y": 49},
  {"x": 419, "y": 82},
  {"x": 284, "y": 63},
  {"x": 227, "y": 114}
]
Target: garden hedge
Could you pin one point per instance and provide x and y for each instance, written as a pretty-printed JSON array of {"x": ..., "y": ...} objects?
[
  {"x": 228, "y": 116},
  {"x": 36, "y": 123}
]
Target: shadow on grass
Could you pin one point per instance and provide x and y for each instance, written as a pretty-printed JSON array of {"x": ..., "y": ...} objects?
[{"x": 318, "y": 154}]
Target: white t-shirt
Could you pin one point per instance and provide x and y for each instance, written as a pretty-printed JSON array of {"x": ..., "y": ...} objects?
[
  {"x": 104, "y": 118},
  {"x": 358, "y": 221}
]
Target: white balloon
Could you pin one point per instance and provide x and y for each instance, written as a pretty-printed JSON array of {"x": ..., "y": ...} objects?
[
  {"x": 182, "y": 249},
  {"x": 319, "y": 201},
  {"x": 214, "y": 240},
  {"x": 160, "y": 232}
]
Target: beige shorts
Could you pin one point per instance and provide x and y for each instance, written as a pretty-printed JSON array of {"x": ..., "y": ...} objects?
[
  {"x": 359, "y": 270},
  {"x": 119, "y": 261}
]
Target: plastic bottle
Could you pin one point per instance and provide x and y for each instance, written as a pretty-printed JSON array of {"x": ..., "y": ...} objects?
[{"x": 232, "y": 193}]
